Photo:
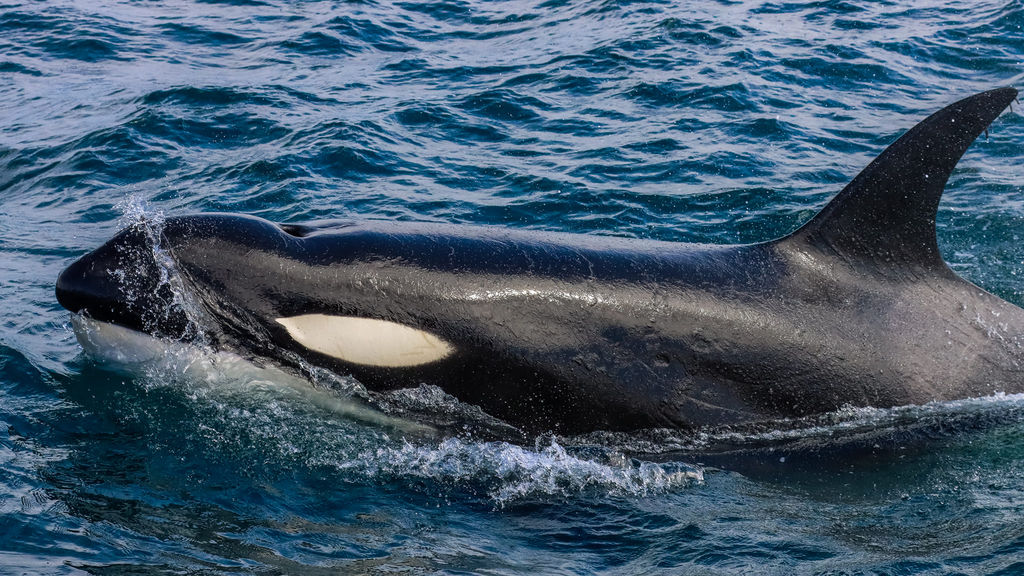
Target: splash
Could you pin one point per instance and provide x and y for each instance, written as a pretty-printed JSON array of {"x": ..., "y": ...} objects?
[
  {"x": 178, "y": 301},
  {"x": 135, "y": 211},
  {"x": 510, "y": 473}
]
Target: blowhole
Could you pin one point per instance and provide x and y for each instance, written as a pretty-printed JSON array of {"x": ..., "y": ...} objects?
[{"x": 296, "y": 230}]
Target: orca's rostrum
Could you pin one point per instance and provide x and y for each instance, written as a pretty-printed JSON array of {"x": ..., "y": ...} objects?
[{"x": 578, "y": 333}]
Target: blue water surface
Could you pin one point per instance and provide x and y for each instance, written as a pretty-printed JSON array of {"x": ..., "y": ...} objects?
[{"x": 719, "y": 121}]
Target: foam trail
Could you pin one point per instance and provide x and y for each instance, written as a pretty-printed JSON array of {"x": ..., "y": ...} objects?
[{"x": 511, "y": 473}]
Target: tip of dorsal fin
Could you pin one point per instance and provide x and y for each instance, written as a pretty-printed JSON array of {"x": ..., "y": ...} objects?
[{"x": 886, "y": 215}]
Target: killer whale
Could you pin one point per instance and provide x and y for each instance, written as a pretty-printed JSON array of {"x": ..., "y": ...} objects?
[{"x": 568, "y": 333}]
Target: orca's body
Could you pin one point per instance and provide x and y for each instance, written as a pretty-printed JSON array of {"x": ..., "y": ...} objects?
[{"x": 572, "y": 334}]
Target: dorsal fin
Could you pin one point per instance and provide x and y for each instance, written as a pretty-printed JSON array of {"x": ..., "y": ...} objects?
[{"x": 886, "y": 215}]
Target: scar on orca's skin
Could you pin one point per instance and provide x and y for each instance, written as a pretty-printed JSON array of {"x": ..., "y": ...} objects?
[{"x": 571, "y": 333}]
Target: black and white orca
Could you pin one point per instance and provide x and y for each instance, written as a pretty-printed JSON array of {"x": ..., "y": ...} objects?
[{"x": 575, "y": 333}]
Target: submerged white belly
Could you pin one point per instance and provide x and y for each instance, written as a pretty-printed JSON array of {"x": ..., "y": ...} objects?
[{"x": 134, "y": 352}]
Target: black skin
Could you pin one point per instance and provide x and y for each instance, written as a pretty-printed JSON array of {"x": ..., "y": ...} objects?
[{"x": 573, "y": 334}]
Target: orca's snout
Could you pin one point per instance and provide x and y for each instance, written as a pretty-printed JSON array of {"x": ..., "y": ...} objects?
[
  {"x": 77, "y": 289},
  {"x": 121, "y": 282}
]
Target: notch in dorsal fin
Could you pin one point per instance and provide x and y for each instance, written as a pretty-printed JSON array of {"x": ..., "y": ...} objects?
[{"x": 887, "y": 213}]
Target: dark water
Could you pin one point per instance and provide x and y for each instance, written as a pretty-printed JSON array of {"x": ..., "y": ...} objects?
[{"x": 727, "y": 121}]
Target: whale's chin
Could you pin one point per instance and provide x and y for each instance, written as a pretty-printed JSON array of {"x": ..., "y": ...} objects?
[
  {"x": 136, "y": 353},
  {"x": 120, "y": 347}
]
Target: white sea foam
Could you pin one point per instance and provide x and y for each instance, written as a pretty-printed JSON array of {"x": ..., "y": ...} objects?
[{"x": 511, "y": 473}]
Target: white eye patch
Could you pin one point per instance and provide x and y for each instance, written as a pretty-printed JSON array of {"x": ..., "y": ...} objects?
[{"x": 366, "y": 341}]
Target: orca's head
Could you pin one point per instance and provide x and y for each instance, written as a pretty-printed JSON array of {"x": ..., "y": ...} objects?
[
  {"x": 252, "y": 284},
  {"x": 124, "y": 282},
  {"x": 156, "y": 277}
]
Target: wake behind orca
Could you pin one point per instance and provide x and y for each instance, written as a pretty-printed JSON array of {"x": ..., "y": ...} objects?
[{"x": 566, "y": 333}]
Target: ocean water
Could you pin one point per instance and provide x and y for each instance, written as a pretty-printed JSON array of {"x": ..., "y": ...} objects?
[{"x": 720, "y": 121}]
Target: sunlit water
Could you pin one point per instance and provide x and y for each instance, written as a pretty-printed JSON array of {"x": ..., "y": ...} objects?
[{"x": 725, "y": 122}]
